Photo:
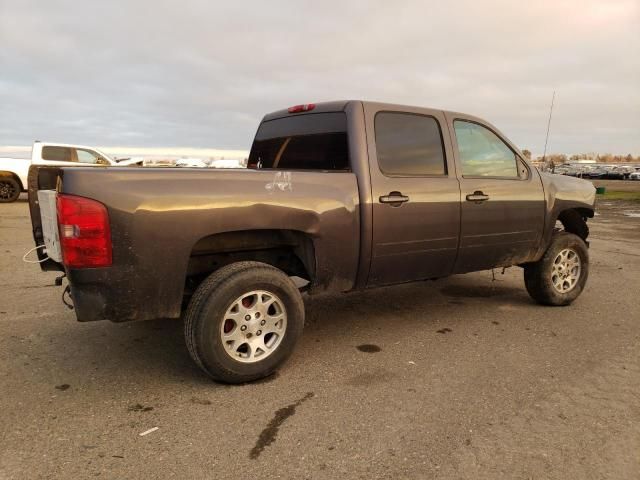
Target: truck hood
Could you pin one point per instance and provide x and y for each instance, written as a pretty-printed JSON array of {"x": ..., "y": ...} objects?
[{"x": 569, "y": 189}]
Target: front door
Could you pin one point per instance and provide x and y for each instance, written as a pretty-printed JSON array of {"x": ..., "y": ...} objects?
[
  {"x": 416, "y": 196},
  {"x": 502, "y": 199}
]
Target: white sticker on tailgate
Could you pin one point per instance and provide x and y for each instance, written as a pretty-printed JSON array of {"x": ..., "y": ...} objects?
[{"x": 49, "y": 218}]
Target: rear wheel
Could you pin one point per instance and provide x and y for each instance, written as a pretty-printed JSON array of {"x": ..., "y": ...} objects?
[
  {"x": 560, "y": 275},
  {"x": 243, "y": 322},
  {"x": 9, "y": 189}
]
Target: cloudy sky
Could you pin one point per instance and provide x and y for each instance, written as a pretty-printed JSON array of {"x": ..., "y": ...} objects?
[{"x": 153, "y": 73}]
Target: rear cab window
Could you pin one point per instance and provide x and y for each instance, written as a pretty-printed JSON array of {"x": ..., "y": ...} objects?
[
  {"x": 314, "y": 141},
  {"x": 57, "y": 154}
]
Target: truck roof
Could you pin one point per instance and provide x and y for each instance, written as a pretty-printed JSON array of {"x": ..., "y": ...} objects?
[
  {"x": 340, "y": 105},
  {"x": 69, "y": 145}
]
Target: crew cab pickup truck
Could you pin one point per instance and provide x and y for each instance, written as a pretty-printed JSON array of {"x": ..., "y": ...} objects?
[
  {"x": 337, "y": 196},
  {"x": 14, "y": 171}
]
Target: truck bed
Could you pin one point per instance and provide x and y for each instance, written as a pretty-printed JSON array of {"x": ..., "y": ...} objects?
[{"x": 164, "y": 225}]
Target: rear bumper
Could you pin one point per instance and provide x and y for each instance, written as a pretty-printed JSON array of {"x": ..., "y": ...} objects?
[
  {"x": 110, "y": 294},
  {"x": 93, "y": 299},
  {"x": 89, "y": 304}
]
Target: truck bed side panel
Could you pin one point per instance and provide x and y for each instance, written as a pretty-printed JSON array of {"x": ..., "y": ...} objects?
[{"x": 158, "y": 215}]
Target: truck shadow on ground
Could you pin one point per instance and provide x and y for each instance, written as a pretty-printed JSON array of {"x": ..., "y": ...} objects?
[
  {"x": 423, "y": 301},
  {"x": 156, "y": 348}
]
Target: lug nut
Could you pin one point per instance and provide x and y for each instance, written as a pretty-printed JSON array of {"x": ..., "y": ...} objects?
[
  {"x": 259, "y": 332},
  {"x": 247, "y": 317},
  {"x": 243, "y": 328},
  {"x": 257, "y": 314},
  {"x": 263, "y": 322}
]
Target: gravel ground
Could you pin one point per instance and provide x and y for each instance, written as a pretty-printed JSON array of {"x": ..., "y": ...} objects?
[{"x": 460, "y": 378}]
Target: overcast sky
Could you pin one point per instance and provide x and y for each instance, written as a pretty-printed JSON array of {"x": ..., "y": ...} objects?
[{"x": 202, "y": 73}]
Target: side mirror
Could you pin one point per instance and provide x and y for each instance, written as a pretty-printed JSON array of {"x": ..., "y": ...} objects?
[{"x": 523, "y": 171}]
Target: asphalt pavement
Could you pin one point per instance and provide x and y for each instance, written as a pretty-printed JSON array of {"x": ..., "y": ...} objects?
[{"x": 464, "y": 377}]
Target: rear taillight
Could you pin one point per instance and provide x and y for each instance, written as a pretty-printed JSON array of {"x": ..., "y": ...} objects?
[
  {"x": 307, "y": 107},
  {"x": 85, "y": 236}
]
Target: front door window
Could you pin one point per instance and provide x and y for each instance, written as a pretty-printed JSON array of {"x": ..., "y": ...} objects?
[
  {"x": 87, "y": 156},
  {"x": 483, "y": 153}
]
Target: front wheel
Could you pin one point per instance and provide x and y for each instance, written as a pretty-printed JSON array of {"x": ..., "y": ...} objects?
[
  {"x": 243, "y": 322},
  {"x": 559, "y": 277}
]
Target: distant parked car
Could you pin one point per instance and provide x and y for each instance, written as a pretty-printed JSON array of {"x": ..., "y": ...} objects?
[
  {"x": 191, "y": 162},
  {"x": 628, "y": 170},
  {"x": 614, "y": 174},
  {"x": 574, "y": 172},
  {"x": 634, "y": 176},
  {"x": 596, "y": 173},
  {"x": 228, "y": 163}
]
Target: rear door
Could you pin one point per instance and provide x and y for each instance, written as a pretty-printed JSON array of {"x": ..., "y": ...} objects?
[
  {"x": 416, "y": 195},
  {"x": 502, "y": 214}
]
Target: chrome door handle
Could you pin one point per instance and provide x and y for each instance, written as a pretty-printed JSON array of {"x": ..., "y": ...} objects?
[
  {"x": 477, "y": 197},
  {"x": 394, "y": 198}
]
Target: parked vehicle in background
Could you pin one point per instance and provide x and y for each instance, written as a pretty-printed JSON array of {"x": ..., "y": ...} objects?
[
  {"x": 624, "y": 170},
  {"x": 228, "y": 163},
  {"x": 13, "y": 171},
  {"x": 339, "y": 196},
  {"x": 13, "y": 178},
  {"x": 127, "y": 161},
  {"x": 634, "y": 176},
  {"x": 44, "y": 153},
  {"x": 568, "y": 170},
  {"x": 191, "y": 162},
  {"x": 613, "y": 173},
  {"x": 220, "y": 163},
  {"x": 595, "y": 173}
]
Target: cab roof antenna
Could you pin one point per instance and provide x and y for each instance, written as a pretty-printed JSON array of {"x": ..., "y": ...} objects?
[{"x": 546, "y": 140}]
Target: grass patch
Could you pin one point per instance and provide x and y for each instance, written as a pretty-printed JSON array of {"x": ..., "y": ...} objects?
[{"x": 627, "y": 196}]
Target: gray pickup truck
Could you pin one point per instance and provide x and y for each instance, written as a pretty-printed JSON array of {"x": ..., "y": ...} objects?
[{"x": 337, "y": 196}]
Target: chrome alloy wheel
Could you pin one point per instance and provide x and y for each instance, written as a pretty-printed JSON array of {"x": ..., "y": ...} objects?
[
  {"x": 566, "y": 270},
  {"x": 253, "y": 326}
]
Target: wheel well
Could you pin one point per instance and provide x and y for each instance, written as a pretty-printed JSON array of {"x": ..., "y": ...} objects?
[
  {"x": 575, "y": 221},
  {"x": 289, "y": 250},
  {"x": 12, "y": 175}
]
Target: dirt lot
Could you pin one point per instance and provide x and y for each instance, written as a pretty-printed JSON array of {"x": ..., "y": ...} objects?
[{"x": 462, "y": 378}]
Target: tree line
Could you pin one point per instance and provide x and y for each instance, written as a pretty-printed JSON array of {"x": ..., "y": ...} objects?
[{"x": 598, "y": 157}]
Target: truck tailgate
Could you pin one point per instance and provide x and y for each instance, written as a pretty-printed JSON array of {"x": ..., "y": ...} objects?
[
  {"x": 42, "y": 186},
  {"x": 49, "y": 220}
]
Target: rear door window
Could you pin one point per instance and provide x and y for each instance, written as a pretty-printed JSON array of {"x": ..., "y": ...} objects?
[
  {"x": 302, "y": 142},
  {"x": 409, "y": 145},
  {"x": 57, "y": 154}
]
